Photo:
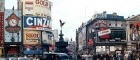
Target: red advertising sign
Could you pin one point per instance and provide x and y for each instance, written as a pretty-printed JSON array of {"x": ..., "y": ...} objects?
[
  {"x": 106, "y": 35},
  {"x": 1, "y": 28}
]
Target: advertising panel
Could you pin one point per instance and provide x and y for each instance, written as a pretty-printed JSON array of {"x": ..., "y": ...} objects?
[
  {"x": 31, "y": 37},
  {"x": 104, "y": 32},
  {"x": 108, "y": 16},
  {"x": 12, "y": 51},
  {"x": 2, "y": 5},
  {"x": 46, "y": 38},
  {"x": 32, "y": 49},
  {"x": 80, "y": 40},
  {"x": 1, "y": 28},
  {"x": 135, "y": 31},
  {"x": 36, "y": 23},
  {"x": 12, "y": 25},
  {"x": 37, "y": 7},
  {"x": 84, "y": 37},
  {"x": 101, "y": 23}
]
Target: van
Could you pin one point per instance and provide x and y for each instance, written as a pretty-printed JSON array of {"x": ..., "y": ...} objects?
[{"x": 55, "y": 56}]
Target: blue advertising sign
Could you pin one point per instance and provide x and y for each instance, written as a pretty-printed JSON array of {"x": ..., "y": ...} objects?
[
  {"x": 28, "y": 49},
  {"x": 112, "y": 17},
  {"x": 109, "y": 17},
  {"x": 36, "y": 23}
]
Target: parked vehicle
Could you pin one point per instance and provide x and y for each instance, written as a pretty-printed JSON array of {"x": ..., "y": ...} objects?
[
  {"x": 55, "y": 56},
  {"x": 3, "y": 58},
  {"x": 23, "y": 58}
]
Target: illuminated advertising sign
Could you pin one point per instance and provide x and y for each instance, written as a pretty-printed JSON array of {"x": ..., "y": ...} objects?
[
  {"x": 2, "y": 7},
  {"x": 31, "y": 37},
  {"x": 12, "y": 25},
  {"x": 45, "y": 38},
  {"x": 36, "y": 23},
  {"x": 108, "y": 17},
  {"x": 32, "y": 49},
  {"x": 37, "y": 7}
]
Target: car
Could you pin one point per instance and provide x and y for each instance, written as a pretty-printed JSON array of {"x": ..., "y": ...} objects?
[
  {"x": 23, "y": 58},
  {"x": 12, "y": 58},
  {"x": 3, "y": 58},
  {"x": 55, "y": 56}
]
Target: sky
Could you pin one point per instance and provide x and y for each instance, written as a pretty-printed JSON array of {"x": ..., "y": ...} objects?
[{"x": 74, "y": 12}]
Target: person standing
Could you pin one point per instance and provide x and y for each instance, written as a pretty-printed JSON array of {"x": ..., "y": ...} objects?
[
  {"x": 73, "y": 57},
  {"x": 115, "y": 56}
]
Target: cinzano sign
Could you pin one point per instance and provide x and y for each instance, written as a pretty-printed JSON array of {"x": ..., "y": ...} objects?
[{"x": 36, "y": 23}]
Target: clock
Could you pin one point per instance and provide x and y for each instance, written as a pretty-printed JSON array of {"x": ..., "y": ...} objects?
[{"x": 13, "y": 22}]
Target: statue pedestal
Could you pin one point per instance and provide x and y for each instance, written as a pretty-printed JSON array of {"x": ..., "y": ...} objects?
[{"x": 61, "y": 44}]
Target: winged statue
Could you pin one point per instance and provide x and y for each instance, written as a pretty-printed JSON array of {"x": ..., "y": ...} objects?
[{"x": 61, "y": 24}]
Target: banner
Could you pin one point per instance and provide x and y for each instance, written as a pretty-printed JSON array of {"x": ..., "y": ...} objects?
[
  {"x": 104, "y": 32},
  {"x": 32, "y": 37}
]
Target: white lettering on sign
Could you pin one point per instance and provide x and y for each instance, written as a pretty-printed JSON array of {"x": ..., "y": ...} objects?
[
  {"x": 37, "y": 21},
  {"x": 104, "y": 32}
]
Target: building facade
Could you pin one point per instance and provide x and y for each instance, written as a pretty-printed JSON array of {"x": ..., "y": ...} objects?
[
  {"x": 133, "y": 36},
  {"x": 105, "y": 33}
]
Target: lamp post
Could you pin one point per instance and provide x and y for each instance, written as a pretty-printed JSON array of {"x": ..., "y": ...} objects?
[{"x": 18, "y": 44}]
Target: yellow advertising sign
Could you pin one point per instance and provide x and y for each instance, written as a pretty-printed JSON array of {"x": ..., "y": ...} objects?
[
  {"x": 0, "y": 51},
  {"x": 31, "y": 37}
]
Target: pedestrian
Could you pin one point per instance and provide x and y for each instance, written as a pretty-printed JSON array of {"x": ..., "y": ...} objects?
[{"x": 73, "y": 57}]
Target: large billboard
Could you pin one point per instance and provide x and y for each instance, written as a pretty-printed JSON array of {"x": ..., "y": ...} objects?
[
  {"x": 31, "y": 37},
  {"x": 108, "y": 16},
  {"x": 32, "y": 49},
  {"x": 135, "y": 31},
  {"x": 2, "y": 5},
  {"x": 1, "y": 28},
  {"x": 36, "y": 23},
  {"x": 12, "y": 25},
  {"x": 37, "y": 7},
  {"x": 46, "y": 38}
]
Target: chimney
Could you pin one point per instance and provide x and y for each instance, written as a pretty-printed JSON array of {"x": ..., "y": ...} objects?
[{"x": 115, "y": 13}]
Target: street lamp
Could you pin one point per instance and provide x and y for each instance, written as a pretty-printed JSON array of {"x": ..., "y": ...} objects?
[{"x": 18, "y": 44}]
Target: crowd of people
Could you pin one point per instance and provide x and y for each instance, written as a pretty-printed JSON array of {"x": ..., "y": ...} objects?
[{"x": 115, "y": 56}]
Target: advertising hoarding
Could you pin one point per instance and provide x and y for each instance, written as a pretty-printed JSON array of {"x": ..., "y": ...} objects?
[
  {"x": 46, "y": 39},
  {"x": 108, "y": 16},
  {"x": 12, "y": 25},
  {"x": 2, "y": 5},
  {"x": 37, "y": 7},
  {"x": 36, "y": 23},
  {"x": 135, "y": 31},
  {"x": 1, "y": 28},
  {"x": 32, "y": 49},
  {"x": 104, "y": 32},
  {"x": 84, "y": 37},
  {"x": 31, "y": 37}
]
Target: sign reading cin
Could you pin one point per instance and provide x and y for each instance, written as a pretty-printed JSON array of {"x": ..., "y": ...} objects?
[{"x": 34, "y": 22}]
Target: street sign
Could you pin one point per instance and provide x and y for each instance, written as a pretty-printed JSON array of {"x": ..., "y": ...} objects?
[{"x": 104, "y": 32}]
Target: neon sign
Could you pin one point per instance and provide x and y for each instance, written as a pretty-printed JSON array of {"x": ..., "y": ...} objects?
[{"x": 36, "y": 22}]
